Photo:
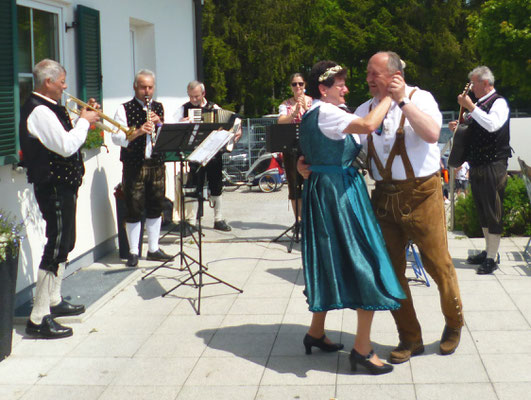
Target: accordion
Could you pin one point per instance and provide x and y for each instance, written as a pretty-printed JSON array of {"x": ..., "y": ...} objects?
[{"x": 217, "y": 116}]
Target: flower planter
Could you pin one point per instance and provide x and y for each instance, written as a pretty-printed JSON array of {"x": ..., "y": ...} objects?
[{"x": 8, "y": 283}]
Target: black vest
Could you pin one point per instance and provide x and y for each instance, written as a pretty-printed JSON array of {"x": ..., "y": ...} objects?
[
  {"x": 484, "y": 147},
  {"x": 209, "y": 106},
  {"x": 43, "y": 165},
  {"x": 134, "y": 154}
]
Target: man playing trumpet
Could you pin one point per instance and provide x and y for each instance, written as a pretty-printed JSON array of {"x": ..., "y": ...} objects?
[
  {"x": 143, "y": 174},
  {"x": 50, "y": 146}
]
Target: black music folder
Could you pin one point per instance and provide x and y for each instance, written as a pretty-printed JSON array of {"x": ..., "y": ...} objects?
[{"x": 282, "y": 137}]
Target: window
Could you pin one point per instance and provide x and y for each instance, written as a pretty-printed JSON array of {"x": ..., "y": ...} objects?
[{"x": 38, "y": 38}]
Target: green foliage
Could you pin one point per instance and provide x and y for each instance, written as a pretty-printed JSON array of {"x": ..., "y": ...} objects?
[
  {"x": 251, "y": 47},
  {"x": 501, "y": 32},
  {"x": 516, "y": 211},
  {"x": 10, "y": 235},
  {"x": 94, "y": 138}
]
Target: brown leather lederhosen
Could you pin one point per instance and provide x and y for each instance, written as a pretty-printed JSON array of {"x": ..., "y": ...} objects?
[{"x": 413, "y": 209}]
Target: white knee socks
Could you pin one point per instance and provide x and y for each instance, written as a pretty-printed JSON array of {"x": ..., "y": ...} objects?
[
  {"x": 55, "y": 295},
  {"x": 493, "y": 244},
  {"x": 153, "y": 232},
  {"x": 133, "y": 236},
  {"x": 41, "y": 303},
  {"x": 217, "y": 208}
]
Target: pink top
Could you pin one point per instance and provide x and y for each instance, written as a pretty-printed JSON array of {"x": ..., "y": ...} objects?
[{"x": 288, "y": 106}]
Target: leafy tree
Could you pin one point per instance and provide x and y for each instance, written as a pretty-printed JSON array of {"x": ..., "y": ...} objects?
[{"x": 501, "y": 31}]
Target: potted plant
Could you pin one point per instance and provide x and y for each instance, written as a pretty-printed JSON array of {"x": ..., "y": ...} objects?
[{"x": 10, "y": 238}]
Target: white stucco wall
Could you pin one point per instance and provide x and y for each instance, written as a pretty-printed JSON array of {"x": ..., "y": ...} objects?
[
  {"x": 520, "y": 142},
  {"x": 173, "y": 44}
]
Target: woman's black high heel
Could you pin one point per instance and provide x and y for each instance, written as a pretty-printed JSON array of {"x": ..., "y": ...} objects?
[
  {"x": 310, "y": 341},
  {"x": 356, "y": 358}
]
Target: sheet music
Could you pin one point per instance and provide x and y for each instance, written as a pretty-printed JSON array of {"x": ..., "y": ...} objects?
[{"x": 210, "y": 146}]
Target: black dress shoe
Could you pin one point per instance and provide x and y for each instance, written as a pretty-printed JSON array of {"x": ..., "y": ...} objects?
[
  {"x": 356, "y": 358},
  {"x": 310, "y": 341},
  {"x": 64, "y": 308},
  {"x": 132, "y": 260},
  {"x": 487, "y": 267},
  {"x": 477, "y": 258},
  {"x": 222, "y": 226},
  {"x": 158, "y": 255},
  {"x": 48, "y": 329}
]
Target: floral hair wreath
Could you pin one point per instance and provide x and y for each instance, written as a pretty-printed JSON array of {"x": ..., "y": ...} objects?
[{"x": 330, "y": 72}]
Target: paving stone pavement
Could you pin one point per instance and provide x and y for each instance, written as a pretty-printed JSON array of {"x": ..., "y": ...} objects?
[{"x": 135, "y": 344}]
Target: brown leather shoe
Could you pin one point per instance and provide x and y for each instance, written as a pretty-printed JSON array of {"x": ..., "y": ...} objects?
[
  {"x": 405, "y": 351},
  {"x": 449, "y": 340}
]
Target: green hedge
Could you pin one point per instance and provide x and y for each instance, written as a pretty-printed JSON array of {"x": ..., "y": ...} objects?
[{"x": 516, "y": 212}]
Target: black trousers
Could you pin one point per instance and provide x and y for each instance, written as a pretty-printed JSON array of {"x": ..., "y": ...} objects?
[
  {"x": 488, "y": 188},
  {"x": 144, "y": 189},
  {"x": 211, "y": 171},
  {"x": 58, "y": 208}
]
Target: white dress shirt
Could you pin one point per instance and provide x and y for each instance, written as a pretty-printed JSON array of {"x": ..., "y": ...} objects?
[
  {"x": 496, "y": 117},
  {"x": 43, "y": 124},
  {"x": 119, "y": 138},
  {"x": 424, "y": 157}
]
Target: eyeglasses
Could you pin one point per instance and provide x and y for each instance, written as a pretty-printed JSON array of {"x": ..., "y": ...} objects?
[{"x": 293, "y": 84}]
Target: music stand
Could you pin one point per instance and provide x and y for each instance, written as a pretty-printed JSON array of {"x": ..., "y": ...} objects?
[
  {"x": 183, "y": 138},
  {"x": 285, "y": 138}
]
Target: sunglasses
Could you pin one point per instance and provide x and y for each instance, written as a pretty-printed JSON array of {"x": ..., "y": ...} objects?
[{"x": 301, "y": 84}]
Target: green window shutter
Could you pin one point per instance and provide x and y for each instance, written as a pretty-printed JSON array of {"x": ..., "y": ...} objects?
[
  {"x": 9, "y": 101},
  {"x": 89, "y": 54}
]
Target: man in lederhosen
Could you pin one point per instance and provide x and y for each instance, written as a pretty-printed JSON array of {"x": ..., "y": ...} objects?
[
  {"x": 143, "y": 174},
  {"x": 212, "y": 171},
  {"x": 487, "y": 151},
  {"x": 50, "y": 147},
  {"x": 403, "y": 159}
]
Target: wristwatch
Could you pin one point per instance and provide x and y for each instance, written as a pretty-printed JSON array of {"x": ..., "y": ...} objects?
[{"x": 404, "y": 101}]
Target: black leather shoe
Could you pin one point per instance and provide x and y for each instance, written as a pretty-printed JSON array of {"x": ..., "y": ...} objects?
[
  {"x": 477, "y": 258},
  {"x": 132, "y": 260},
  {"x": 222, "y": 226},
  {"x": 310, "y": 341},
  {"x": 356, "y": 358},
  {"x": 64, "y": 308},
  {"x": 158, "y": 255},
  {"x": 487, "y": 267},
  {"x": 48, "y": 329}
]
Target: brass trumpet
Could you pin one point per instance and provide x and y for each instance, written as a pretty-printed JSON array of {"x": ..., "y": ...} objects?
[{"x": 81, "y": 104}]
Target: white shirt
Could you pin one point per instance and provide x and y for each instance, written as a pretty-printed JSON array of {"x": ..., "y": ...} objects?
[
  {"x": 496, "y": 117},
  {"x": 179, "y": 114},
  {"x": 460, "y": 173},
  {"x": 333, "y": 120},
  {"x": 43, "y": 124},
  {"x": 424, "y": 157},
  {"x": 119, "y": 138}
]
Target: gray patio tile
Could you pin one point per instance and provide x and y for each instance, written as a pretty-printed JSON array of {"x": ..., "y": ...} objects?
[
  {"x": 227, "y": 371},
  {"x": 503, "y": 342},
  {"x": 225, "y": 343},
  {"x": 318, "y": 369},
  {"x": 178, "y": 344},
  {"x": 455, "y": 368},
  {"x": 101, "y": 345},
  {"x": 513, "y": 390},
  {"x": 13, "y": 392},
  {"x": 297, "y": 305},
  {"x": 59, "y": 392},
  {"x": 140, "y": 393},
  {"x": 235, "y": 392},
  {"x": 18, "y": 370},
  {"x": 251, "y": 306},
  {"x": 210, "y": 305},
  {"x": 496, "y": 320},
  {"x": 143, "y": 371},
  {"x": 483, "y": 302},
  {"x": 118, "y": 325},
  {"x": 508, "y": 367},
  {"x": 306, "y": 392},
  {"x": 299, "y": 323},
  {"x": 84, "y": 371},
  {"x": 456, "y": 391},
  {"x": 53, "y": 348},
  {"x": 517, "y": 286},
  {"x": 179, "y": 324},
  {"x": 267, "y": 290},
  {"x": 258, "y": 323},
  {"x": 376, "y": 391}
]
